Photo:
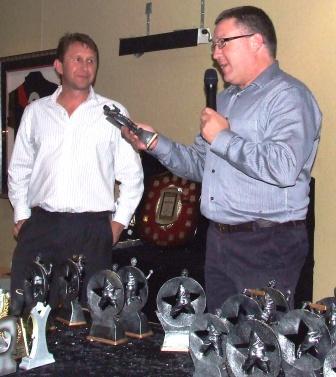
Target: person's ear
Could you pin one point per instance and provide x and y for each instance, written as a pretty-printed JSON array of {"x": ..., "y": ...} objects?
[
  {"x": 58, "y": 65},
  {"x": 257, "y": 41}
]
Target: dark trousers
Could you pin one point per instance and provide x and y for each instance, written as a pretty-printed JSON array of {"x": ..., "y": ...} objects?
[
  {"x": 239, "y": 260},
  {"x": 55, "y": 237}
]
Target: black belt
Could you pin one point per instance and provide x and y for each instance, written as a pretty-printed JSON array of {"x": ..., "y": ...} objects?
[
  {"x": 72, "y": 214},
  {"x": 252, "y": 226}
]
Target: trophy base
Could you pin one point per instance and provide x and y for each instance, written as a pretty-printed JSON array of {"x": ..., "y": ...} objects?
[
  {"x": 139, "y": 336},
  {"x": 71, "y": 323},
  {"x": 30, "y": 363},
  {"x": 108, "y": 332},
  {"x": 209, "y": 371},
  {"x": 71, "y": 315},
  {"x": 107, "y": 341},
  {"x": 175, "y": 342},
  {"x": 136, "y": 325}
]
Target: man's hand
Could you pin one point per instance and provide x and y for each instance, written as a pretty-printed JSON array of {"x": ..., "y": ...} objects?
[
  {"x": 117, "y": 229},
  {"x": 212, "y": 123},
  {"x": 133, "y": 139},
  {"x": 17, "y": 227}
]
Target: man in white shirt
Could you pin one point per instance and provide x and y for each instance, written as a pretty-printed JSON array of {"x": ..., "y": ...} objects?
[{"x": 62, "y": 173}]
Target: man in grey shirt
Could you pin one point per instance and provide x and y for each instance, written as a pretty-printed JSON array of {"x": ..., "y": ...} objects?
[{"x": 254, "y": 157}]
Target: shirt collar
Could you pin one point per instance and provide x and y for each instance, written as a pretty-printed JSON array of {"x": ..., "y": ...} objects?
[
  {"x": 92, "y": 94},
  {"x": 265, "y": 77}
]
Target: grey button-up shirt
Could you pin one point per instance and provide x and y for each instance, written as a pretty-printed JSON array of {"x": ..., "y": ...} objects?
[{"x": 260, "y": 167}]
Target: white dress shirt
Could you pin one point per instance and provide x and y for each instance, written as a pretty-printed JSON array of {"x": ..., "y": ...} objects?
[{"x": 68, "y": 163}]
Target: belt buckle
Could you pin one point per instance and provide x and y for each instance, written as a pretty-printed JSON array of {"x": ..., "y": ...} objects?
[{"x": 223, "y": 228}]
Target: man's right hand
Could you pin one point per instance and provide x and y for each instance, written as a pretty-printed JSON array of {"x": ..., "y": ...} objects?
[
  {"x": 133, "y": 139},
  {"x": 17, "y": 227}
]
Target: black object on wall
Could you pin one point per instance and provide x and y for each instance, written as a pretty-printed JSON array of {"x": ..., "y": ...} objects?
[{"x": 156, "y": 42}]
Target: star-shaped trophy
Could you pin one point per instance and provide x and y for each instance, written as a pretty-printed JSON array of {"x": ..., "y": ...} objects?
[
  {"x": 329, "y": 314},
  {"x": 179, "y": 300},
  {"x": 106, "y": 296},
  {"x": 36, "y": 295},
  {"x": 329, "y": 365},
  {"x": 69, "y": 284},
  {"x": 136, "y": 294},
  {"x": 240, "y": 307},
  {"x": 304, "y": 340},
  {"x": 207, "y": 342},
  {"x": 7, "y": 344},
  {"x": 252, "y": 349}
]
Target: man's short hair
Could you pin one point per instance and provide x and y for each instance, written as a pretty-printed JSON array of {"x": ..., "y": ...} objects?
[
  {"x": 70, "y": 38},
  {"x": 256, "y": 21}
]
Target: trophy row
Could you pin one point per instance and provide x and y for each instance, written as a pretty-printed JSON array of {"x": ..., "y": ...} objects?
[{"x": 253, "y": 333}]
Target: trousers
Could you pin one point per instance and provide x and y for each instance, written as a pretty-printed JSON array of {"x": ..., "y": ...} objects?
[
  {"x": 238, "y": 260},
  {"x": 54, "y": 237}
]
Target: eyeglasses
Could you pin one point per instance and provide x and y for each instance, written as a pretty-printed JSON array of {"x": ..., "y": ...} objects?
[{"x": 221, "y": 42}]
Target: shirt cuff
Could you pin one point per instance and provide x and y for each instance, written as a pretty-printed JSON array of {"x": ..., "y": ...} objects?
[
  {"x": 221, "y": 143},
  {"x": 162, "y": 148},
  {"x": 21, "y": 213}
]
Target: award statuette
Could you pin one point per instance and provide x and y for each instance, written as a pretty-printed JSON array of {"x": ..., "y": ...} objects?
[
  {"x": 136, "y": 294},
  {"x": 69, "y": 283},
  {"x": 179, "y": 300},
  {"x": 305, "y": 342},
  {"x": 7, "y": 345},
  {"x": 208, "y": 335},
  {"x": 39, "y": 354},
  {"x": 118, "y": 119},
  {"x": 21, "y": 348},
  {"x": 252, "y": 349},
  {"x": 106, "y": 296},
  {"x": 36, "y": 293}
]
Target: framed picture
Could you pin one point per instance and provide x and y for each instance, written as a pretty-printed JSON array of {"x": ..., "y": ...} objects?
[{"x": 24, "y": 78}]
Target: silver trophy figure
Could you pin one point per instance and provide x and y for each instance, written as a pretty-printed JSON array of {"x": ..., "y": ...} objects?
[
  {"x": 252, "y": 349},
  {"x": 69, "y": 285},
  {"x": 207, "y": 339},
  {"x": 136, "y": 294},
  {"x": 305, "y": 342},
  {"x": 118, "y": 119},
  {"x": 7, "y": 344},
  {"x": 106, "y": 297},
  {"x": 36, "y": 292},
  {"x": 179, "y": 300}
]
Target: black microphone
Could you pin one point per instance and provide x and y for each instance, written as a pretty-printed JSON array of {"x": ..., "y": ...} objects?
[{"x": 210, "y": 85}]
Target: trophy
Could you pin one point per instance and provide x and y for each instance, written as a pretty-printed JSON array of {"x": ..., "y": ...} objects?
[
  {"x": 136, "y": 294},
  {"x": 329, "y": 365},
  {"x": 4, "y": 303},
  {"x": 21, "y": 348},
  {"x": 179, "y": 300},
  {"x": 7, "y": 344},
  {"x": 106, "y": 296},
  {"x": 305, "y": 342},
  {"x": 36, "y": 293},
  {"x": 328, "y": 309},
  {"x": 118, "y": 119},
  {"x": 252, "y": 349},
  {"x": 207, "y": 339},
  {"x": 273, "y": 302},
  {"x": 240, "y": 307},
  {"x": 69, "y": 282}
]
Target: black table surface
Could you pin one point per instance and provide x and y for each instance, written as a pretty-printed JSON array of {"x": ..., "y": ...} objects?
[{"x": 76, "y": 356}]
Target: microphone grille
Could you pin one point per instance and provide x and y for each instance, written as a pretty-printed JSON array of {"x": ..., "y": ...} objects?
[{"x": 210, "y": 76}]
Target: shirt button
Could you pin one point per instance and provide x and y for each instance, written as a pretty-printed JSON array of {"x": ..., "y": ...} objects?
[
  {"x": 212, "y": 198},
  {"x": 213, "y": 170}
]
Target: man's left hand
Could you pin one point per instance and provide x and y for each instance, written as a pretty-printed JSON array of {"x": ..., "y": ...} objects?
[
  {"x": 117, "y": 229},
  {"x": 212, "y": 123}
]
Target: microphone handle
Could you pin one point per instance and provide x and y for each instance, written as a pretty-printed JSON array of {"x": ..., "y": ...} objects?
[{"x": 211, "y": 92}]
